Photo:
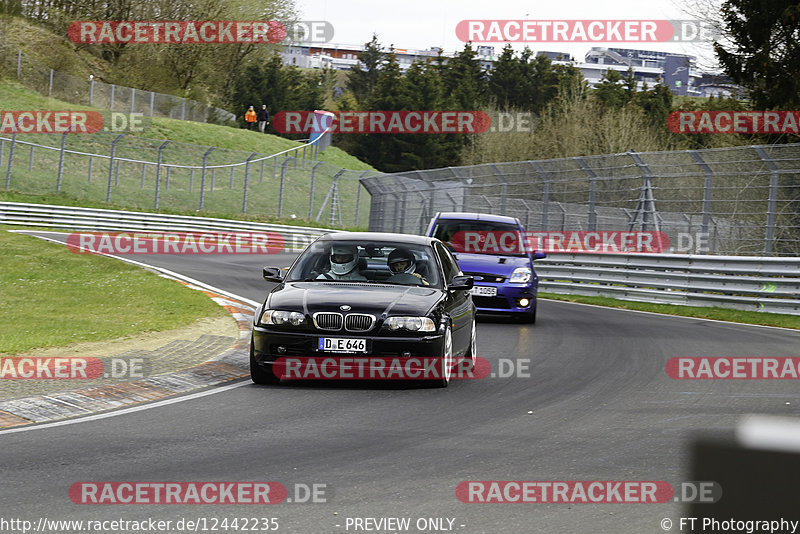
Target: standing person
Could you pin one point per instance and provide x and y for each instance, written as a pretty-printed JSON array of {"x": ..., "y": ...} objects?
[
  {"x": 250, "y": 118},
  {"x": 263, "y": 118}
]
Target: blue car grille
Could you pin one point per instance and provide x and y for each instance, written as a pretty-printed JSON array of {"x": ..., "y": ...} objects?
[
  {"x": 498, "y": 303},
  {"x": 487, "y": 277}
]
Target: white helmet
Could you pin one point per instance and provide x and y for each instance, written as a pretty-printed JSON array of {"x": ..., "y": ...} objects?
[{"x": 344, "y": 259}]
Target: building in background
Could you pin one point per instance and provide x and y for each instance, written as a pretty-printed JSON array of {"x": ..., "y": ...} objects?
[{"x": 677, "y": 71}]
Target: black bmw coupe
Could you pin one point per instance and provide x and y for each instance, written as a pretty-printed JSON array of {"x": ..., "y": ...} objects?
[{"x": 366, "y": 306}]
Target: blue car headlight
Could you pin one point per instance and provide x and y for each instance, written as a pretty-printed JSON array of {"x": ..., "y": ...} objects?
[{"x": 521, "y": 275}]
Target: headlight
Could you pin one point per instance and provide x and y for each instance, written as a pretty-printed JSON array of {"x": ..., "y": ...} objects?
[
  {"x": 414, "y": 324},
  {"x": 276, "y": 317},
  {"x": 521, "y": 275}
]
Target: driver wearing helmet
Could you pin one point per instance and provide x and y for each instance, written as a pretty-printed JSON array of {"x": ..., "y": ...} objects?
[
  {"x": 401, "y": 261},
  {"x": 344, "y": 260}
]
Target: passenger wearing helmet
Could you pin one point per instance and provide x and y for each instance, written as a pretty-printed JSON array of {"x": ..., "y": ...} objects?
[
  {"x": 403, "y": 265},
  {"x": 344, "y": 263}
]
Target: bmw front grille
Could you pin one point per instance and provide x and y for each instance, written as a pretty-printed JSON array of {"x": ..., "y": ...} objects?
[{"x": 328, "y": 320}]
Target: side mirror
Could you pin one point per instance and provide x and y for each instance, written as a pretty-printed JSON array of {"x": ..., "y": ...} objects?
[
  {"x": 538, "y": 255},
  {"x": 273, "y": 274},
  {"x": 461, "y": 283}
]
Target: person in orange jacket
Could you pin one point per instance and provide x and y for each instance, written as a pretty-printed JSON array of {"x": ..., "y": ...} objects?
[{"x": 250, "y": 118}]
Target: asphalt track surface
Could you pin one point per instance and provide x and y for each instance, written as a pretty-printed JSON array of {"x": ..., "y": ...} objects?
[{"x": 598, "y": 405}]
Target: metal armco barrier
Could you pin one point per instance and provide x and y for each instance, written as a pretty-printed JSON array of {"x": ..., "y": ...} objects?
[
  {"x": 100, "y": 220},
  {"x": 741, "y": 282}
]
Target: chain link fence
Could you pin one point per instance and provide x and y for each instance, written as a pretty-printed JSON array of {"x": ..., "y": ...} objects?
[
  {"x": 737, "y": 201},
  {"x": 90, "y": 92},
  {"x": 141, "y": 173}
]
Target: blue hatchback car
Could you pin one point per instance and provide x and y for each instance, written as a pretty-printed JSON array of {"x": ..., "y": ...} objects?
[{"x": 505, "y": 281}]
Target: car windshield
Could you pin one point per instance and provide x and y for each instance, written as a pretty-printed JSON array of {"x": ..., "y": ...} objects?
[
  {"x": 379, "y": 262},
  {"x": 481, "y": 237}
]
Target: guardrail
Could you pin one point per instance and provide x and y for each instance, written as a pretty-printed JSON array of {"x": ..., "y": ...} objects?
[
  {"x": 102, "y": 220},
  {"x": 741, "y": 282}
]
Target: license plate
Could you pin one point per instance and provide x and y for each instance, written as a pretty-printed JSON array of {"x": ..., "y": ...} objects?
[
  {"x": 484, "y": 291},
  {"x": 342, "y": 344}
]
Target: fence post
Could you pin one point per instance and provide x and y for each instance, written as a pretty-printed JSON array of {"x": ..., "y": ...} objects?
[
  {"x": 262, "y": 171},
  {"x": 191, "y": 179},
  {"x": 11, "y": 157},
  {"x": 111, "y": 101},
  {"x": 247, "y": 180},
  {"x": 158, "y": 171},
  {"x": 90, "y": 169},
  {"x": 30, "y": 160},
  {"x": 232, "y": 171},
  {"x": 592, "y": 226},
  {"x": 183, "y": 109},
  {"x": 358, "y": 195},
  {"x": 545, "y": 193},
  {"x": 646, "y": 204},
  {"x": 503, "y": 187},
  {"x": 144, "y": 172},
  {"x": 91, "y": 91},
  {"x": 311, "y": 192},
  {"x": 133, "y": 98},
  {"x": 50, "y": 87},
  {"x": 709, "y": 175},
  {"x": 772, "y": 201},
  {"x": 274, "y": 168},
  {"x": 19, "y": 64},
  {"x": 166, "y": 184},
  {"x": 203, "y": 177},
  {"x": 61, "y": 160},
  {"x": 111, "y": 165},
  {"x": 280, "y": 193},
  {"x": 152, "y": 102}
]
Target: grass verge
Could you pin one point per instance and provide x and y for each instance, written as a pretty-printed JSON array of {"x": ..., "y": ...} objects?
[
  {"x": 62, "y": 199},
  {"x": 718, "y": 314},
  {"x": 52, "y": 297}
]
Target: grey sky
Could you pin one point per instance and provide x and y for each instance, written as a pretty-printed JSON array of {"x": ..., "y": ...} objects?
[{"x": 421, "y": 24}]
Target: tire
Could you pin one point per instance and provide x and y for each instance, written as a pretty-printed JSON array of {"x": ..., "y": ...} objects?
[
  {"x": 259, "y": 374},
  {"x": 471, "y": 357},
  {"x": 447, "y": 361}
]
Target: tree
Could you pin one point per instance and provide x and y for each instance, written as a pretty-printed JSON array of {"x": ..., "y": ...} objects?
[
  {"x": 764, "y": 55},
  {"x": 362, "y": 81},
  {"x": 611, "y": 90},
  {"x": 505, "y": 80}
]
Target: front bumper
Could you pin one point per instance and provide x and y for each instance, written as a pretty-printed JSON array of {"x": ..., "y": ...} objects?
[
  {"x": 507, "y": 299},
  {"x": 280, "y": 350}
]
